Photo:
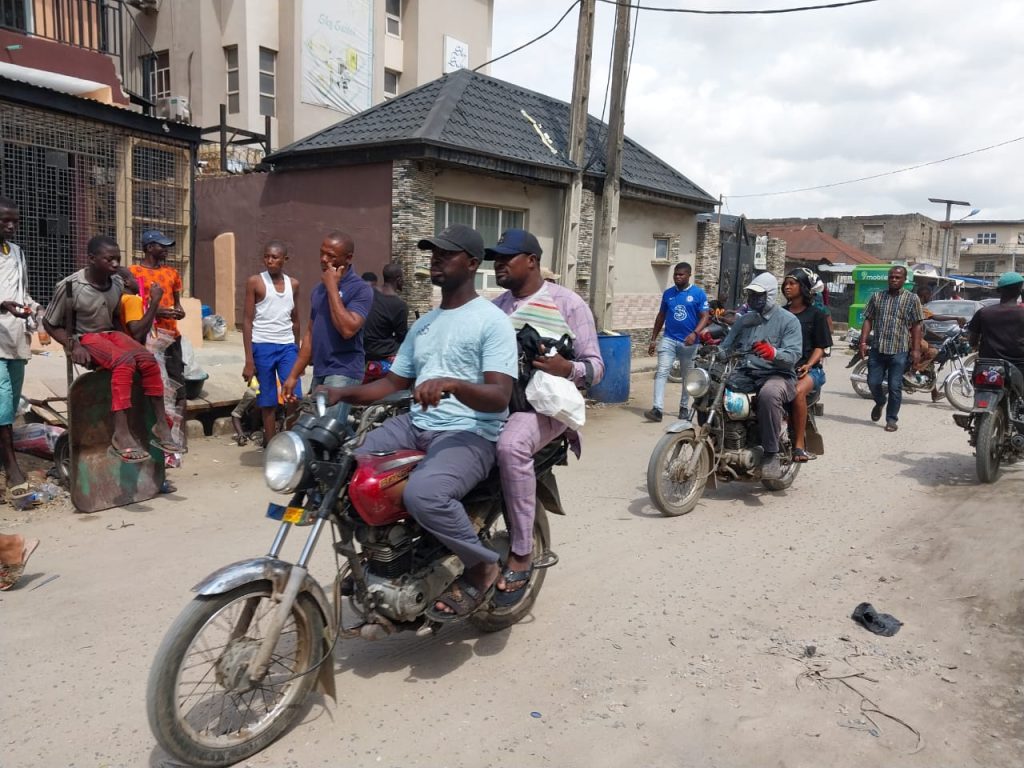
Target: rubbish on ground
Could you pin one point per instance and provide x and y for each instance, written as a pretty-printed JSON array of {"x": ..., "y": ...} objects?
[{"x": 882, "y": 624}]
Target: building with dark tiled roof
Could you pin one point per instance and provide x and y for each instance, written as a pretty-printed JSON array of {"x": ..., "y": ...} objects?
[{"x": 465, "y": 148}]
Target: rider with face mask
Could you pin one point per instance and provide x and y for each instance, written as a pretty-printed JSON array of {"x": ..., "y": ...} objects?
[{"x": 775, "y": 343}]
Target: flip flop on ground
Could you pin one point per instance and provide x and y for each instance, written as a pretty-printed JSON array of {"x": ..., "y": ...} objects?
[
  {"x": 20, "y": 491},
  {"x": 515, "y": 587},
  {"x": 463, "y": 598},
  {"x": 128, "y": 455},
  {"x": 10, "y": 573}
]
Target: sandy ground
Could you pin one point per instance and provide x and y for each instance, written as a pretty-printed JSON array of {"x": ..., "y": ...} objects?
[{"x": 656, "y": 641}]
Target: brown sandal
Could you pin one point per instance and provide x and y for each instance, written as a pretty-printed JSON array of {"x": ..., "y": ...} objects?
[{"x": 9, "y": 574}]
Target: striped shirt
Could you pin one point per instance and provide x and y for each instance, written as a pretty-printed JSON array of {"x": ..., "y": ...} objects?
[{"x": 891, "y": 319}]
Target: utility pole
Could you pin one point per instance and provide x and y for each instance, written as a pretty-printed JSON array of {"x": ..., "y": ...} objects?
[
  {"x": 945, "y": 226},
  {"x": 603, "y": 270},
  {"x": 567, "y": 246}
]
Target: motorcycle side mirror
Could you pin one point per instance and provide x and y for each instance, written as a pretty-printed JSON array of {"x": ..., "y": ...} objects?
[{"x": 321, "y": 403}]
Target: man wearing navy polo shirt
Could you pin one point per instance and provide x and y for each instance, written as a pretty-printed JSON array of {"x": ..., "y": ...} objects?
[
  {"x": 334, "y": 336},
  {"x": 683, "y": 313}
]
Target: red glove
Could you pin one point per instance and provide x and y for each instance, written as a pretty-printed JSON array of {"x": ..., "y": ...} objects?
[
  {"x": 763, "y": 350},
  {"x": 705, "y": 337}
]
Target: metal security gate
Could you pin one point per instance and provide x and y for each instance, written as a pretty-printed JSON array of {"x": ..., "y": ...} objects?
[
  {"x": 736, "y": 267},
  {"x": 73, "y": 178}
]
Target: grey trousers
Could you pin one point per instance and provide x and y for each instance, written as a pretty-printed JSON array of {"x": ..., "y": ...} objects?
[
  {"x": 455, "y": 462},
  {"x": 771, "y": 409}
]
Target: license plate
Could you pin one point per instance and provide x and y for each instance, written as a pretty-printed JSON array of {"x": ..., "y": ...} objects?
[{"x": 293, "y": 515}]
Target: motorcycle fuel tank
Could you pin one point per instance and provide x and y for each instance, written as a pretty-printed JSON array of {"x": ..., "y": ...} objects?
[{"x": 377, "y": 484}]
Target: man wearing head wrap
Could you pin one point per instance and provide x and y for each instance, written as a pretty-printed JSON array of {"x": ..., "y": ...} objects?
[{"x": 774, "y": 341}]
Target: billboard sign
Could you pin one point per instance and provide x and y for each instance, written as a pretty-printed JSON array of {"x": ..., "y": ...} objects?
[{"x": 337, "y": 60}]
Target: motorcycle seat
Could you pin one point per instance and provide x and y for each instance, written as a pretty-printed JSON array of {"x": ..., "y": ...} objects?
[{"x": 555, "y": 453}]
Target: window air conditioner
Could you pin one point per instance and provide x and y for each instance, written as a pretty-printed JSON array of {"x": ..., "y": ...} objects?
[{"x": 174, "y": 108}]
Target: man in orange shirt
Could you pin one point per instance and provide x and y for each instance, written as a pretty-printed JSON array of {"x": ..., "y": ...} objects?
[{"x": 153, "y": 269}]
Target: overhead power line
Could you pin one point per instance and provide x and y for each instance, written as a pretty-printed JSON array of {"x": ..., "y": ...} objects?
[
  {"x": 531, "y": 42},
  {"x": 879, "y": 175},
  {"x": 741, "y": 13}
]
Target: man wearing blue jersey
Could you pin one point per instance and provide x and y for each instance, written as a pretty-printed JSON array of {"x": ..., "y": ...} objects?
[{"x": 683, "y": 313}]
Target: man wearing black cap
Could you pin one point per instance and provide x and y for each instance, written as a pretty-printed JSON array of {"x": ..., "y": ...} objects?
[
  {"x": 154, "y": 269},
  {"x": 461, "y": 360},
  {"x": 529, "y": 299}
]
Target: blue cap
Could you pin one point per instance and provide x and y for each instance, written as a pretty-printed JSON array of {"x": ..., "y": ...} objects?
[
  {"x": 513, "y": 241},
  {"x": 156, "y": 236},
  {"x": 1009, "y": 278}
]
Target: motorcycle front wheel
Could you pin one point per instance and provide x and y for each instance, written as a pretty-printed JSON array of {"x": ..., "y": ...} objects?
[
  {"x": 959, "y": 391},
  {"x": 494, "y": 618},
  {"x": 674, "y": 492},
  {"x": 989, "y": 449},
  {"x": 859, "y": 379},
  {"x": 200, "y": 709}
]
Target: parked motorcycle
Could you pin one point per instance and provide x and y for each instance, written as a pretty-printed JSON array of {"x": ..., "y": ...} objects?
[
  {"x": 235, "y": 667},
  {"x": 995, "y": 424},
  {"x": 720, "y": 443},
  {"x": 954, "y": 350}
]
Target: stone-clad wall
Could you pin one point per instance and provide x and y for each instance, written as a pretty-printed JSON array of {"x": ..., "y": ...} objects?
[
  {"x": 412, "y": 219},
  {"x": 709, "y": 255}
]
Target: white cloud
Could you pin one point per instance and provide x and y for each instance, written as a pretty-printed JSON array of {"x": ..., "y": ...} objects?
[{"x": 746, "y": 104}]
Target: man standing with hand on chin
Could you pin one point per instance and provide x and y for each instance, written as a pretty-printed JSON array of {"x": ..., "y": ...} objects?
[{"x": 334, "y": 335}]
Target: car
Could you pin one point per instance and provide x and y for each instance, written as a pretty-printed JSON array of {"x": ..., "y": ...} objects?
[{"x": 937, "y": 329}]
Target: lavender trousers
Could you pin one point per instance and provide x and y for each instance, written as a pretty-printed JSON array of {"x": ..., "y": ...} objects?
[
  {"x": 523, "y": 435},
  {"x": 455, "y": 463}
]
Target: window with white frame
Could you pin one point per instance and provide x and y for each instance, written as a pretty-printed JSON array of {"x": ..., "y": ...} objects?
[
  {"x": 490, "y": 222},
  {"x": 390, "y": 83},
  {"x": 985, "y": 267},
  {"x": 393, "y": 17},
  {"x": 268, "y": 86},
  {"x": 661, "y": 248},
  {"x": 986, "y": 238},
  {"x": 231, "y": 66},
  {"x": 160, "y": 76}
]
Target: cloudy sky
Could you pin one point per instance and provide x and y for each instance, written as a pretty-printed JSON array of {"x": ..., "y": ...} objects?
[{"x": 753, "y": 104}]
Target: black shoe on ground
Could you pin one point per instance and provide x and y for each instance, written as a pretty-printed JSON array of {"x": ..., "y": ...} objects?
[
  {"x": 876, "y": 413},
  {"x": 653, "y": 415}
]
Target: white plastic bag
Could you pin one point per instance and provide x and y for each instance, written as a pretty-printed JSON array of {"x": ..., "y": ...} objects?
[{"x": 558, "y": 398}]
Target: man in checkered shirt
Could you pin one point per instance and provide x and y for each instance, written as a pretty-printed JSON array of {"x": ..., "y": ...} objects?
[{"x": 895, "y": 316}]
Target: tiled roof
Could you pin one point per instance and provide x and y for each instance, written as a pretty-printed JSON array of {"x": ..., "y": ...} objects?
[
  {"x": 484, "y": 116},
  {"x": 808, "y": 243}
]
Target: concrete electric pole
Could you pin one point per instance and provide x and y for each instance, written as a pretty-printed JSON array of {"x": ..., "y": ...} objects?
[
  {"x": 567, "y": 247},
  {"x": 946, "y": 226},
  {"x": 603, "y": 269}
]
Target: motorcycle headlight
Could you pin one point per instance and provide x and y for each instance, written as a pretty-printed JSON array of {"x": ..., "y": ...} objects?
[
  {"x": 697, "y": 382},
  {"x": 284, "y": 462}
]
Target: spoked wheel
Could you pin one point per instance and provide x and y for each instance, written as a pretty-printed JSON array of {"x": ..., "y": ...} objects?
[
  {"x": 202, "y": 707},
  {"x": 494, "y": 618},
  {"x": 674, "y": 491},
  {"x": 989, "y": 449},
  {"x": 859, "y": 379},
  {"x": 959, "y": 390}
]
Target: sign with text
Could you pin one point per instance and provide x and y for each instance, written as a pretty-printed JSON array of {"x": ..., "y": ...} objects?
[
  {"x": 456, "y": 54},
  {"x": 337, "y": 63},
  {"x": 761, "y": 252}
]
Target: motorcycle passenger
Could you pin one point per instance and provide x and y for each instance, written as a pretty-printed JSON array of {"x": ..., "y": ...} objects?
[
  {"x": 928, "y": 352},
  {"x": 998, "y": 330},
  {"x": 684, "y": 314},
  {"x": 773, "y": 337},
  {"x": 895, "y": 315},
  {"x": 465, "y": 349},
  {"x": 798, "y": 288},
  {"x": 530, "y": 299}
]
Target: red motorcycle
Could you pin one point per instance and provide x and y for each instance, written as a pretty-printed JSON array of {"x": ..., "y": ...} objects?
[{"x": 235, "y": 667}]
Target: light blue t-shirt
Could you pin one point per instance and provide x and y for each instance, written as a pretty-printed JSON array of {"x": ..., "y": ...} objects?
[{"x": 459, "y": 343}]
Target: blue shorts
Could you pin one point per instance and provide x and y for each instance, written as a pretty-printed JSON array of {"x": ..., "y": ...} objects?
[
  {"x": 817, "y": 374},
  {"x": 273, "y": 362}
]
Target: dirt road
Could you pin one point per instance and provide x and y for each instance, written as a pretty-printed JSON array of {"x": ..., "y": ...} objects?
[{"x": 721, "y": 638}]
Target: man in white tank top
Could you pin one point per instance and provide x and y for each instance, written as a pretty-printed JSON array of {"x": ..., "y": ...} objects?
[{"x": 270, "y": 331}]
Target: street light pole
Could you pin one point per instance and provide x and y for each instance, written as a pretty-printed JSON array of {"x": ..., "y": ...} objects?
[{"x": 946, "y": 225}]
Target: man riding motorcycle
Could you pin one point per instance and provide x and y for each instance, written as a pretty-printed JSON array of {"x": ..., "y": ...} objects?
[
  {"x": 461, "y": 358},
  {"x": 775, "y": 342},
  {"x": 998, "y": 330}
]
